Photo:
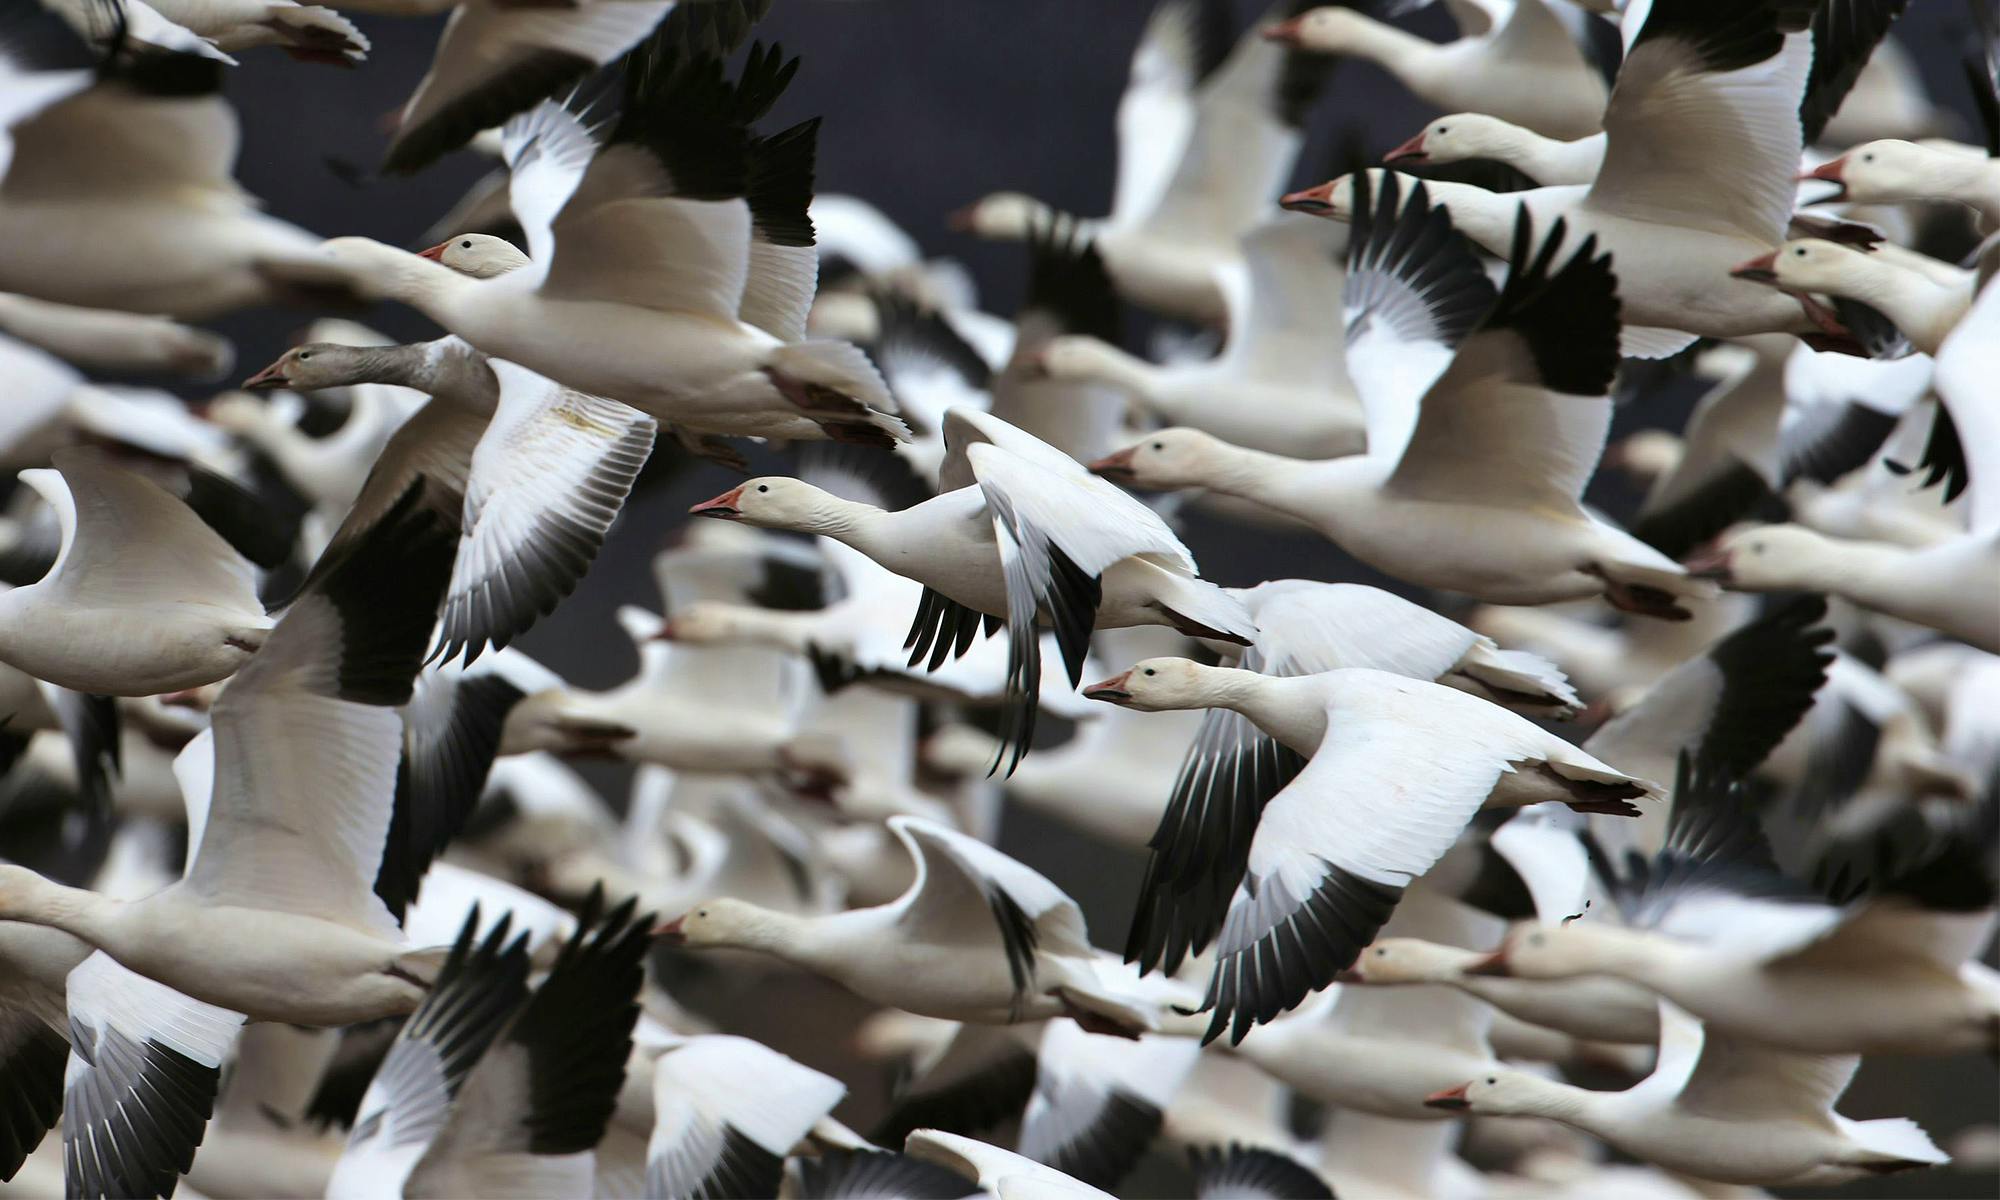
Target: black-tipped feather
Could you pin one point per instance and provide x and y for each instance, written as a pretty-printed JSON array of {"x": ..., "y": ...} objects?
[
  {"x": 780, "y": 187},
  {"x": 1248, "y": 1173},
  {"x": 1067, "y": 282},
  {"x": 526, "y": 82},
  {"x": 1726, "y": 35},
  {"x": 1118, "y": 1135},
  {"x": 1568, "y": 317},
  {"x": 1771, "y": 670},
  {"x": 1408, "y": 268},
  {"x": 1844, "y": 34},
  {"x": 878, "y": 1175},
  {"x": 32, "y": 1060}
]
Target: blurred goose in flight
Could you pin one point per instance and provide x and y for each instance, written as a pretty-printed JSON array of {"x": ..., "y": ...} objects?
[
  {"x": 977, "y": 937},
  {"x": 121, "y": 195},
  {"x": 107, "y": 340},
  {"x": 535, "y": 473},
  {"x": 1703, "y": 139},
  {"x": 727, "y": 1113},
  {"x": 143, "y": 598},
  {"x": 1328, "y": 859},
  {"x": 1487, "y": 411},
  {"x": 1206, "y": 134},
  {"x": 522, "y": 1082},
  {"x": 1279, "y": 384},
  {"x": 689, "y": 306},
  {"x": 307, "y": 32},
  {"x": 1718, "y": 1108},
  {"x": 277, "y": 916},
  {"x": 1022, "y": 531},
  {"x": 1512, "y": 58}
]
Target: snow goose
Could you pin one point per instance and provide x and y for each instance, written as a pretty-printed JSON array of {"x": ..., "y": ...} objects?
[
  {"x": 495, "y": 60},
  {"x": 1382, "y": 1052},
  {"x": 978, "y": 937},
  {"x": 139, "y": 1087},
  {"x": 1325, "y": 850},
  {"x": 277, "y": 916},
  {"x": 1718, "y": 1108},
  {"x": 671, "y": 267},
  {"x": 1779, "y": 412},
  {"x": 121, "y": 196},
  {"x": 1474, "y": 137},
  {"x": 1204, "y": 138},
  {"x": 1279, "y": 384},
  {"x": 1099, "y": 1101},
  {"x": 1450, "y": 373},
  {"x": 143, "y": 598},
  {"x": 1703, "y": 139},
  {"x": 1891, "y": 171},
  {"x": 1520, "y": 64},
  {"x": 931, "y": 368},
  {"x": 1024, "y": 531},
  {"x": 307, "y": 32},
  {"x": 107, "y": 340},
  {"x": 494, "y": 1087},
  {"x": 1923, "y": 308},
  {"x": 1070, "y": 292},
  {"x": 1720, "y": 932},
  {"x": 727, "y": 1112},
  {"x": 536, "y": 473},
  {"x": 480, "y": 255}
]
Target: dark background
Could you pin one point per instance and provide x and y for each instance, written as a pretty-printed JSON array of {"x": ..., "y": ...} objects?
[{"x": 929, "y": 104}]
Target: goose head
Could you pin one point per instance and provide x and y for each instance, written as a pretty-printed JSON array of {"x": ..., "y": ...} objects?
[
  {"x": 1459, "y": 137},
  {"x": 1809, "y": 265},
  {"x": 1333, "y": 200},
  {"x": 1156, "y": 685},
  {"x": 719, "y": 922},
  {"x": 1879, "y": 172},
  {"x": 1763, "y": 558},
  {"x": 318, "y": 365},
  {"x": 1410, "y": 960},
  {"x": 772, "y": 502},
  {"x": 1001, "y": 215},
  {"x": 1503, "y": 1092},
  {"x": 376, "y": 271},
  {"x": 1170, "y": 458},
  {"x": 480, "y": 255},
  {"x": 1321, "y": 30}
]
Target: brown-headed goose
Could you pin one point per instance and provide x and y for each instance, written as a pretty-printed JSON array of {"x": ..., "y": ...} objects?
[
  {"x": 1205, "y": 134},
  {"x": 1487, "y": 414},
  {"x": 1513, "y": 58},
  {"x": 1703, "y": 137},
  {"x": 534, "y": 472},
  {"x": 977, "y": 937},
  {"x": 671, "y": 267},
  {"x": 1330, "y": 855}
]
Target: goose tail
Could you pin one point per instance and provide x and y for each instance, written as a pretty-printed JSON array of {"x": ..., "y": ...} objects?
[
  {"x": 1522, "y": 680},
  {"x": 835, "y": 385}
]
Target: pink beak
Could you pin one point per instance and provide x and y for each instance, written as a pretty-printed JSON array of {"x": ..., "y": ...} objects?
[
  {"x": 722, "y": 507},
  {"x": 1313, "y": 201},
  {"x": 1449, "y": 1098},
  {"x": 1116, "y": 466},
  {"x": 1758, "y": 270},
  {"x": 1411, "y": 151},
  {"x": 272, "y": 376},
  {"x": 1286, "y": 31},
  {"x": 1111, "y": 691},
  {"x": 435, "y": 253},
  {"x": 1493, "y": 964},
  {"x": 671, "y": 933},
  {"x": 959, "y": 220},
  {"x": 1833, "y": 170},
  {"x": 1709, "y": 562}
]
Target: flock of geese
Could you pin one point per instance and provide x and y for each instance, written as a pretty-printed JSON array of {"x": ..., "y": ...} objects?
[{"x": 1587, "y": 858}]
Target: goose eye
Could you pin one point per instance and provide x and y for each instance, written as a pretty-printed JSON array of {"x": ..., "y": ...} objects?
[
  {"x": 1381, "y": 953},
  {"x": 1150, "y": 671},
  {"x": 305, "y": 355},
  {"x": 1159, "y": 445},
  {"x": 763, "y": 487},
  {"x": 1491, "y": 1080},
  {"x": 1868, "y": 158},
  {"x": 1444, "y": 129},
  {"x": 1799, "y": 252},
  {"x": 465, "y": 245},
  {"x": 700, "y": 912}
]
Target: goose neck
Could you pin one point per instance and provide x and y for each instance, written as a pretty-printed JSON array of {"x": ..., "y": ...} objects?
[
  {"x": 28, "y": 896},
  {"x": 1485, "y": 217},
  {"x": 1101, "y": 362},
  {"x": 1553, "y": 1099},
  {"x": 847, "y": 521},
  {"x": 1403, "y": 55},
  {"x": 1251, "y": 474}
]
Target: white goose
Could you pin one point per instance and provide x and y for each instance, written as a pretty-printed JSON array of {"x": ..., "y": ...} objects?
[
  {"x": 277, "y": 916},
  {"x": 1487, "y": 415},
  {"x": 1279, "y": 384},
  {"x": 1024, "y": 530},
  {"x": 1718, "y": 1108},
  {"x": 143, "y": 598},
  {"x": 1703, "y": 140},
  {"x": 978, "y": 937},
  {"x": 107, "y": 340},
  {"x": 687, "y": 307},
  {"x": 1204, "y": 139},
  {"x": 121, "y": 196},
  {"x": 1924, "y": 305},
  {"x": 489, "y": 50},
  {"x": 517, "y": 1085},
  {"x": 1514, "y": 59},
  {"x": 534, "y": 471},
  {"x": 1476, "y": 136},
  {"x": 1331, "y": 854}
]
